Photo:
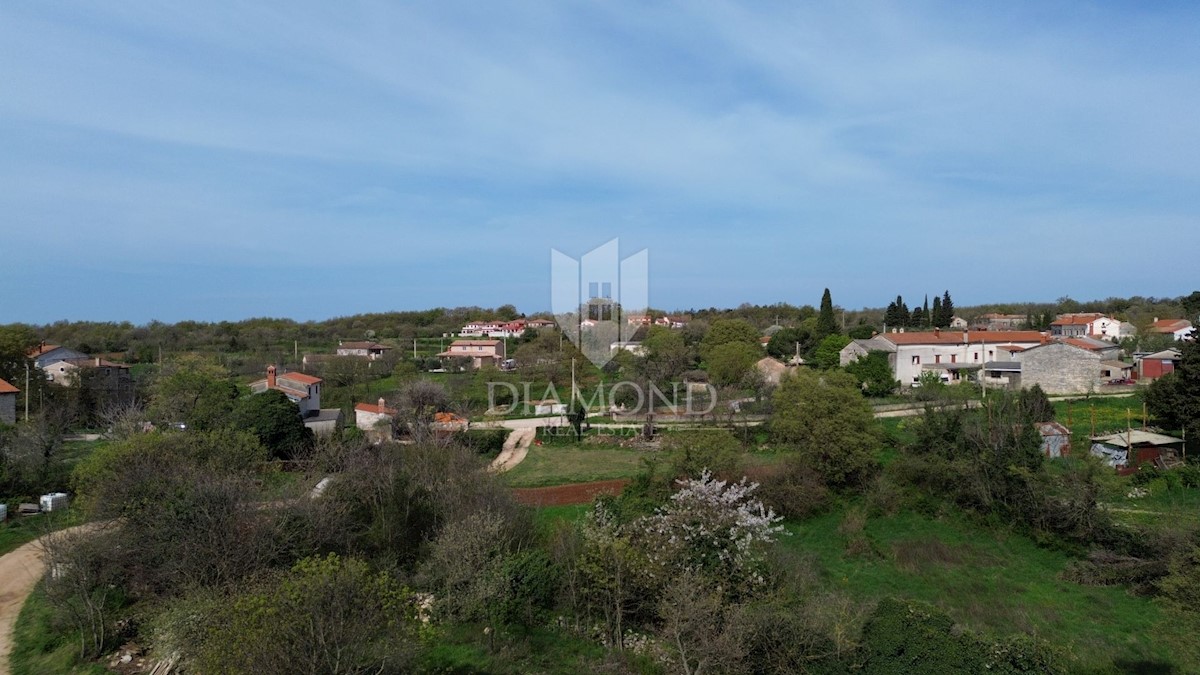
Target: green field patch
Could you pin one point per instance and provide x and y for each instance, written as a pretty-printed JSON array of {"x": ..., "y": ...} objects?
[
  {"x": 556, "y": 464},
  {"x": 994, "y": 582}
]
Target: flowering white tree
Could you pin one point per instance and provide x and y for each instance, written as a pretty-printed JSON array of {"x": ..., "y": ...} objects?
[{"x": 714, "y": 528}]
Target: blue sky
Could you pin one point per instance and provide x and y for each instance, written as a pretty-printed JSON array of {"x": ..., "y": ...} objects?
[{"x": 221, "y": 161}]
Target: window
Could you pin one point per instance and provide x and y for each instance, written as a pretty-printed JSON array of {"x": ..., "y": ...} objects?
[
  {"x": 916, "y": 360},
  {"x": 976, "y": 356},
  {"x": 937, "y": 358},
  {"x": 954, "y": 358}
]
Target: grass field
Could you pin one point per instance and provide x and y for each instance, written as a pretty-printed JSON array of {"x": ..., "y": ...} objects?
[
  {"x": 995, "y": 583},
  {"x": 1110, "y": 413},
  {"x": 561, "y": 464},
  {"x": 39, "y": 648}
]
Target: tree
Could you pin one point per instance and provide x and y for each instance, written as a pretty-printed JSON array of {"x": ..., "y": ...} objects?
[
  {"x": 874, "y": 374},
  {"x": 920, "y": 315},
  {"x": 828, "y": 352},
  {"x": 275, "y": 420},
  {"x": 192, "y": 391},
  {"x": 1174, "y": 399},
  {"x": 714, "y": 528},
  {"x": 417, "y": 403},
  {"x": 725, "y": 331},
  {"x": 730, "y": 362},
  {"x": 947, "y": 310},
  {"x": 1035, "y": 405},
  {"x": 15, "y": 343},
  {"x": 826, "y": 323},
  {"x": 935, "y": 318},
  {"x": 824, "y": 415},
  {"x": 666, "y": 356},
  {"x": 1191, "y": 306},
  {"x": 791, "y": 342}
]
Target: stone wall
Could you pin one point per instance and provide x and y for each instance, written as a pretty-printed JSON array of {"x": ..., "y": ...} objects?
[
  {"x": 8, "y": 408},
  {"x": 1060, "y": 368}
]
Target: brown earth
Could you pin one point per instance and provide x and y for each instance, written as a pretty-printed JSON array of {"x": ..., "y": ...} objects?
[{"x": 563, "y": 495}]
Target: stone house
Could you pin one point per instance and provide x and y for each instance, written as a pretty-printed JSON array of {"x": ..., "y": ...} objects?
[
  {"x": 44, "y": 354},
  {"x": 303, "y": 390},
  {"x": 370, "y": 350},
  {"x": 109, "y": 382},
  {"x": 1059, "y": 368},
  {"x": 8, "y": 403}
]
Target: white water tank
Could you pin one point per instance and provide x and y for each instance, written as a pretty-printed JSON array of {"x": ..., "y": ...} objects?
[{"x": 54, "y": 501}]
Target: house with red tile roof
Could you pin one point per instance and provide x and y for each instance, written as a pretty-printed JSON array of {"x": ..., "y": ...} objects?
[
  {"x": 375, "y": 420},
  {"x": 1090, "y": 324},
  {"x": 481, "y": 352},
  {"x": 953, "y": 355},
  {"x": 1180, "y": 329},
  {"x": 303, "y": 390}
]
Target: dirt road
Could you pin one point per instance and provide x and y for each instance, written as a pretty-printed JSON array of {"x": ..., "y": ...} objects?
[
  {"x": 20, "y": 570},
  {"x": 516, "y": 446}
]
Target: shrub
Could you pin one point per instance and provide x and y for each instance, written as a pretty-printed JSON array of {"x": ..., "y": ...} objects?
[{"x": 484, "y": 441}]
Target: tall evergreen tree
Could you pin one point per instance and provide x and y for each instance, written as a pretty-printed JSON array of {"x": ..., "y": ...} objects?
[
  {"x": 935, "y": 317},
  {"x": 902, "y": 316},
  {"x": 947, "y": 310},
  {"x": 826, "y": 325},
  {"x": 925, "y": 311}
]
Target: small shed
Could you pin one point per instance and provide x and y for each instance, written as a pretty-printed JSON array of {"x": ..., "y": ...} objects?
[
  {"x": 1128, "y": 450},
  {"x": 1056, "y": 439}
]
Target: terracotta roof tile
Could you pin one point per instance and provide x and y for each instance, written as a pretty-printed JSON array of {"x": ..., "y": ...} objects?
[{"x": 6, "y": 388}]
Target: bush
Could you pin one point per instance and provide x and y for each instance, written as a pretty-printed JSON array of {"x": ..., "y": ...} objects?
[
  {"x": 484, "y": 441},
  {"x": 795, "y": 492},
  {"x": 911, "y": 637},
  {"x": 328, "y": 615}
]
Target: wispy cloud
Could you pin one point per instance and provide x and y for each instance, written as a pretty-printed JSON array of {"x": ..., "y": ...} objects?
[{"x": 869, "y": 147}]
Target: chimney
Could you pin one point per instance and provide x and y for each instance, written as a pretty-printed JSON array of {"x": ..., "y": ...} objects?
[
  {"x": 937, "y": 332},
  {"x": 382, "y": 407},
  {"x": 97, "y": 361},
  {"x": 966, "y": 337},
  {"x": 270, "y": 377}
]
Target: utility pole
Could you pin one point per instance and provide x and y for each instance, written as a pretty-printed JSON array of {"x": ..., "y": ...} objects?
[{"x": 26, "y": 389}]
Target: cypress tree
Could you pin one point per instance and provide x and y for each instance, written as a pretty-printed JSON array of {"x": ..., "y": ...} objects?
[{"x": 826, "y": 325}]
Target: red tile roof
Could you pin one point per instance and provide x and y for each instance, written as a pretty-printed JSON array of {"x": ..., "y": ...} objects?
[
  {"x": 373, "y": 408},
  {"x": 1084, "y": 344},
  {"x": 1170, "y": 325},
  {"x": 6, "y": 388},
  {"x": 299, "y": 377},
  {"x": 474, "y": 343},
  {"x": 1076, "y": 319},
  {"x": 41, "y": 349}
]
